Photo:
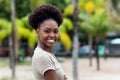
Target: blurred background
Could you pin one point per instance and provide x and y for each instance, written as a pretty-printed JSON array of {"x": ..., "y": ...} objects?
[{"x": 98, "y": 39}]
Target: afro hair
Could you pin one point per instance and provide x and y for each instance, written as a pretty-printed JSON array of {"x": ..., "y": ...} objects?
[{"x": 43, "y": 13}]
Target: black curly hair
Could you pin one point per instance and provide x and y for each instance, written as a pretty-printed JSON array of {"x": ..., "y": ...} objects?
[{"x": 46, "y": 11}]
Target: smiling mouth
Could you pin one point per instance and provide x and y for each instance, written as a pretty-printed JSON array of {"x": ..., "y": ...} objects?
[{"x": 51, "y": 41}]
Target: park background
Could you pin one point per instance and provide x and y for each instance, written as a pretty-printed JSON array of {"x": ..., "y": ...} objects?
[{"x": 98, "y": 27}]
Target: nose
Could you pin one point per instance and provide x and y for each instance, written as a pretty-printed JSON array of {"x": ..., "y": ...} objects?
[{"x": 52, "y": 34}]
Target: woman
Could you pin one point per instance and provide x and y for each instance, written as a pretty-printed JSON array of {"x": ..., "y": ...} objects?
[{"x": 45, "y": 20}]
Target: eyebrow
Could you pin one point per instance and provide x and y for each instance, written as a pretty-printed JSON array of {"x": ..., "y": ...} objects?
[
  {"x": 53, "y": 29},
  {"x": 47, "y": 26}
]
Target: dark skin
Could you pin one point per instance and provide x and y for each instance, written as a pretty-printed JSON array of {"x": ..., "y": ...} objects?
[
  {"x": 50, "y": 75},
  {"x": 48, "y": 35}
]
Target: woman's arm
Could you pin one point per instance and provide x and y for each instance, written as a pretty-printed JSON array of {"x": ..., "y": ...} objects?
[{"x": 50, "y": 75}]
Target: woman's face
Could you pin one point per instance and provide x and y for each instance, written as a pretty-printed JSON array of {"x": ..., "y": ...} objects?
[{"x": 48, "y": 33}]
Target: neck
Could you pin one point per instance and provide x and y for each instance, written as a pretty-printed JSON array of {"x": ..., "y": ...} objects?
[{"x": 48, "y": 49}]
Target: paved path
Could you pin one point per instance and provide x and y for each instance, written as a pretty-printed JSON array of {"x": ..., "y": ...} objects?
[{"x": 109, "y": 70}]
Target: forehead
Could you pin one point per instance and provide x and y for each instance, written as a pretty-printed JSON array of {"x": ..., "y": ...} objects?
[{"x": 49, "y": 23}]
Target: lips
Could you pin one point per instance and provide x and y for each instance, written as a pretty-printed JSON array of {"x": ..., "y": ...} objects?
[{"x": 51, "y": 41}]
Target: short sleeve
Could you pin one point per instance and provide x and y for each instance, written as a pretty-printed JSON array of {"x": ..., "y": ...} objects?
[{"x": 43, "y": 64}]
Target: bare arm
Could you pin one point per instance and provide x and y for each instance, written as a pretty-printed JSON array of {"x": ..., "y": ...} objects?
[{"x": 51, "y": 75}]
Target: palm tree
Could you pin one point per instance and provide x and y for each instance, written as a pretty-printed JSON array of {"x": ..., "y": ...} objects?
[
  {"x": 96, "y": 25},
  {"x": 112, "y": 11},
  {"x": 112, "y": 7}
]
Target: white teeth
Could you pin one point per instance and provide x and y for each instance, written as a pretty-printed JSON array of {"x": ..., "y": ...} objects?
[{"x": 50, "y": 40}]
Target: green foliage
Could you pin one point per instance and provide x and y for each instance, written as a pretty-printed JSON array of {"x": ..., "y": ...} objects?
[
  {"x": 81, "y": 4},
  {"x": 64, "y": 37},
  {"x": 32, "y": 39},
  {"x": 99, "y": 3},
  {"x": 68, "y": 10},
  {"x": 66, "y": 41},
  {"x": 59, "y": 3},
  {"x": 35, "y": 3},
  {"x": 22, "y": 7},
  {"x": 26, "y": 32},
  {"x": 22, "y": 31},
  {"x": 96, "y": 2},
  {"x": 5, "y": 9},
  {"x": 25, "y": 22},
  {"x": 96, "y": 25},
  {"x": 31, "y": 36},
  {"x": 5, "y": 29},
  {"x": 66, "y": 25},
  {"x": 116, "y": 4}
]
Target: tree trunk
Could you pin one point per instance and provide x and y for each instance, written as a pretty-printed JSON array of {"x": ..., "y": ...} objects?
[
  {"x": 90, "y": 53},
  {"x": 111, "y": 11},
  {"x": 105, "y": 51},
  {"x": 14, "y": 30},
  {"x": 96, "y": 52},
  {"x": 13, "y": 40},
  {"x": 75, "y": 41},
  {"x": 12, "y": 56}
]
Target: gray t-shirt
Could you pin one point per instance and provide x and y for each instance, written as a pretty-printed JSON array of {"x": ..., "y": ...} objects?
[{"x": 43, "y": 61}]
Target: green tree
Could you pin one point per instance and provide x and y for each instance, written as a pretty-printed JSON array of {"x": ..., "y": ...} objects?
[
  {"x": 96, "y": 25},
  {"x": 112, "y": 7},
  {"x": 5, "y": 29},
  {"x": 22, "y": 8},
  {"x": 64, "y": 36},
  {"x": 5, "y": 9},
  {"x": 35, "y": 3},
  {"x": 89, "y": 8},
  {"x": 59, "y": 3}
]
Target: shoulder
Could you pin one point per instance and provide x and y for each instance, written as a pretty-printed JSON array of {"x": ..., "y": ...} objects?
[
  {"x": 41, "y": 56},
  {"x": 42, "y": 62}
]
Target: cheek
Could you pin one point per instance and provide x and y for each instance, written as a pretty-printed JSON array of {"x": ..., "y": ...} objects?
[
  {"x": 41, "y": 36},
  {"x": 38, "y": 34},
  {"x": 57, "y": 36}
]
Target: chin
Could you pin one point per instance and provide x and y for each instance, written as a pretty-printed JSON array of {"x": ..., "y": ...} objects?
[{"x": 51, "y": 45}]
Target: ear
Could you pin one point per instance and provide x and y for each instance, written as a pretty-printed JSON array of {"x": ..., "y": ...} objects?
[{"x": 37, "y": 31}]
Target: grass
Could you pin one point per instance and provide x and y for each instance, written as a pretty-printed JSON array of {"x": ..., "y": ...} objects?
[
  {"x": 6, "y": 62},
  {"x": 5, "y": 78},
  {"x": 8, "y": 78},
  {"x": 24, "y": 63}
]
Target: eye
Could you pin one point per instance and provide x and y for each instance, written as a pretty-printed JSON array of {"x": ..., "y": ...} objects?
[
  {"x": 56, "y": 31},
  {"x": 47, "y": 31}
]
